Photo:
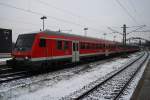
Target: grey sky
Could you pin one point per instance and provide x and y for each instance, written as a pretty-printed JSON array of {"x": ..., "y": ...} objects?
[{"x": 97, "y": 15}]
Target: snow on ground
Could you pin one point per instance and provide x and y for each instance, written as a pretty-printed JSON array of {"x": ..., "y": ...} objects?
[
  {"x": 131, "y": 88},
  {"x": 58, "y": 84},
  {"x": 3, "y": 60}
]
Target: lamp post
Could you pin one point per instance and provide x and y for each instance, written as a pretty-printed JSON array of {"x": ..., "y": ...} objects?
[
  {"x": 85, "y": 31},
  {"x": 104, "y": 40},
  {"x": 114, "y": 38},
  {"x": 43, "y": 18},
  {"x": 104, "y": 35}
]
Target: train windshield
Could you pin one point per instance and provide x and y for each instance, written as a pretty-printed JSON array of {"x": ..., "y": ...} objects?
[{"x": 24, "y": 42}]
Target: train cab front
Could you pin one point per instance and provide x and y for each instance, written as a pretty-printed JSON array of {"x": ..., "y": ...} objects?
[{"x": 22, "y": 51}]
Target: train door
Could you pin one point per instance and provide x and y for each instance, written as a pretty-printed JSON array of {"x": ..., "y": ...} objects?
[
  {"x": 43, "y": 46},
  {"x": 75, "y": 51},
  {"x": 49, "y": 48}
]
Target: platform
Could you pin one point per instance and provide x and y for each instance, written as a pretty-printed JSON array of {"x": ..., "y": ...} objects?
[{"x": 143, "y": 89}]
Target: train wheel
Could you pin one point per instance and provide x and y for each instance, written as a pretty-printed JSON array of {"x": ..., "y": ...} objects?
[{"x": 44, "y": 66}]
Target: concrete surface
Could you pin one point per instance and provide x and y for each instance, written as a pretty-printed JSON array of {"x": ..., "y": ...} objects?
[{"x": 143, "y": 89}]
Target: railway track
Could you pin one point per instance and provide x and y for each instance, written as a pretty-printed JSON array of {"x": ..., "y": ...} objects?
[
  {"x": 13, "y": 76},
  {"x": 5, "y": 69},
  {"x": 113, "y": 86},
  {"x": 52, "y": 78},
  {"x": 9, "y": 74}
]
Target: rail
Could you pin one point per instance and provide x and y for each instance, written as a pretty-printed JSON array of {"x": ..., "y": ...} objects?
[{"x": 121, "y": 70}]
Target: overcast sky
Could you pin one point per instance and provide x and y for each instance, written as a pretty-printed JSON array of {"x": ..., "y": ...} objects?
[{"x": 23, "y": 16}]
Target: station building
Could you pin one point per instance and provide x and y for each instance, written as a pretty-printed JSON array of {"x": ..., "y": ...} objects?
[{"x": 5, "y": 42}]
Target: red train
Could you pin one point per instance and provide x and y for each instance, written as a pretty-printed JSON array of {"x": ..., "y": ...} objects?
[{"x": 49, "y": 47}]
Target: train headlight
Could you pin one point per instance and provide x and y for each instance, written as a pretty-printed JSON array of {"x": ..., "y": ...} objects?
[{"x": 26, "y": 57}]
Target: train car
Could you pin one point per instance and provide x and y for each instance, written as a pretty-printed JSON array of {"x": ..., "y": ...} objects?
[
  {"x": 5, "y": 42},
  {"x": 46, "y": 48}
]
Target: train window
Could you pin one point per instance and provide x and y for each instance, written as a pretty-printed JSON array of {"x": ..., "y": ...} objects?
[
  {"x": 93, "y": 46},
  {"x": 77, "y": 46},
  {"x": 85, "y": 46},
  {"x": 113, "y": 46},
  {"x": 81, "y": 45},
  {"x": 59, "y": 44},
  {"x": 99, "y": 46},
  {"x": 66, "y": 45},
  {"x": 88, "y": 46},
  {"x": 74, "y": 47},
  {"x": 104, "y": 46},
  {"x": 42, "y": 43},
  {"x": 96, "y": 46}
]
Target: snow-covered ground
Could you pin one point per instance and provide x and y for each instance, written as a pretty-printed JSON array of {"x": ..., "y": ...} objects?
[
  {"x": 132, "y": 86},
  {"x": 55, "y": 85},
  {"x": 3, "y": 60},
  {"x": 109, "y": 89}
]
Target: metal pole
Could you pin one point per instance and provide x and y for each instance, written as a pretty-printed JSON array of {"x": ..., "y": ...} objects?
[
  {"x": 43, "y": 24},
  {"x": 85, "y": 31},
  {"x": 104, "y": 40},
  {"x": 124, "y": 34},
  {"x": 43, "y": 18},
  {"x": 114, "y": 38}
]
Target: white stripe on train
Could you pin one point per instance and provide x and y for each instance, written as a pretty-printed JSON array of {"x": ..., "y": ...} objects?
[{"x": 67, "y": 56}]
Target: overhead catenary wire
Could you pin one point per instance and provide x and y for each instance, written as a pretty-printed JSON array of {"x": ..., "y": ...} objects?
[
  {"x": 140, "y": 27},
  {"x": 64, "y": 11},
  {"x": 132, "y": 5},
  {"x": 23, "y": 22},
  {"x": 57, "y": 8},
  {"x": 127, "y": 12},
  {"x": 52, "y": 17}
]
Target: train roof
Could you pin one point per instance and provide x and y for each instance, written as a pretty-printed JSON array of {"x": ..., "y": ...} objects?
[
  {"x": 49, "y": 32},
  {"x": 57, "y": 33}
]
